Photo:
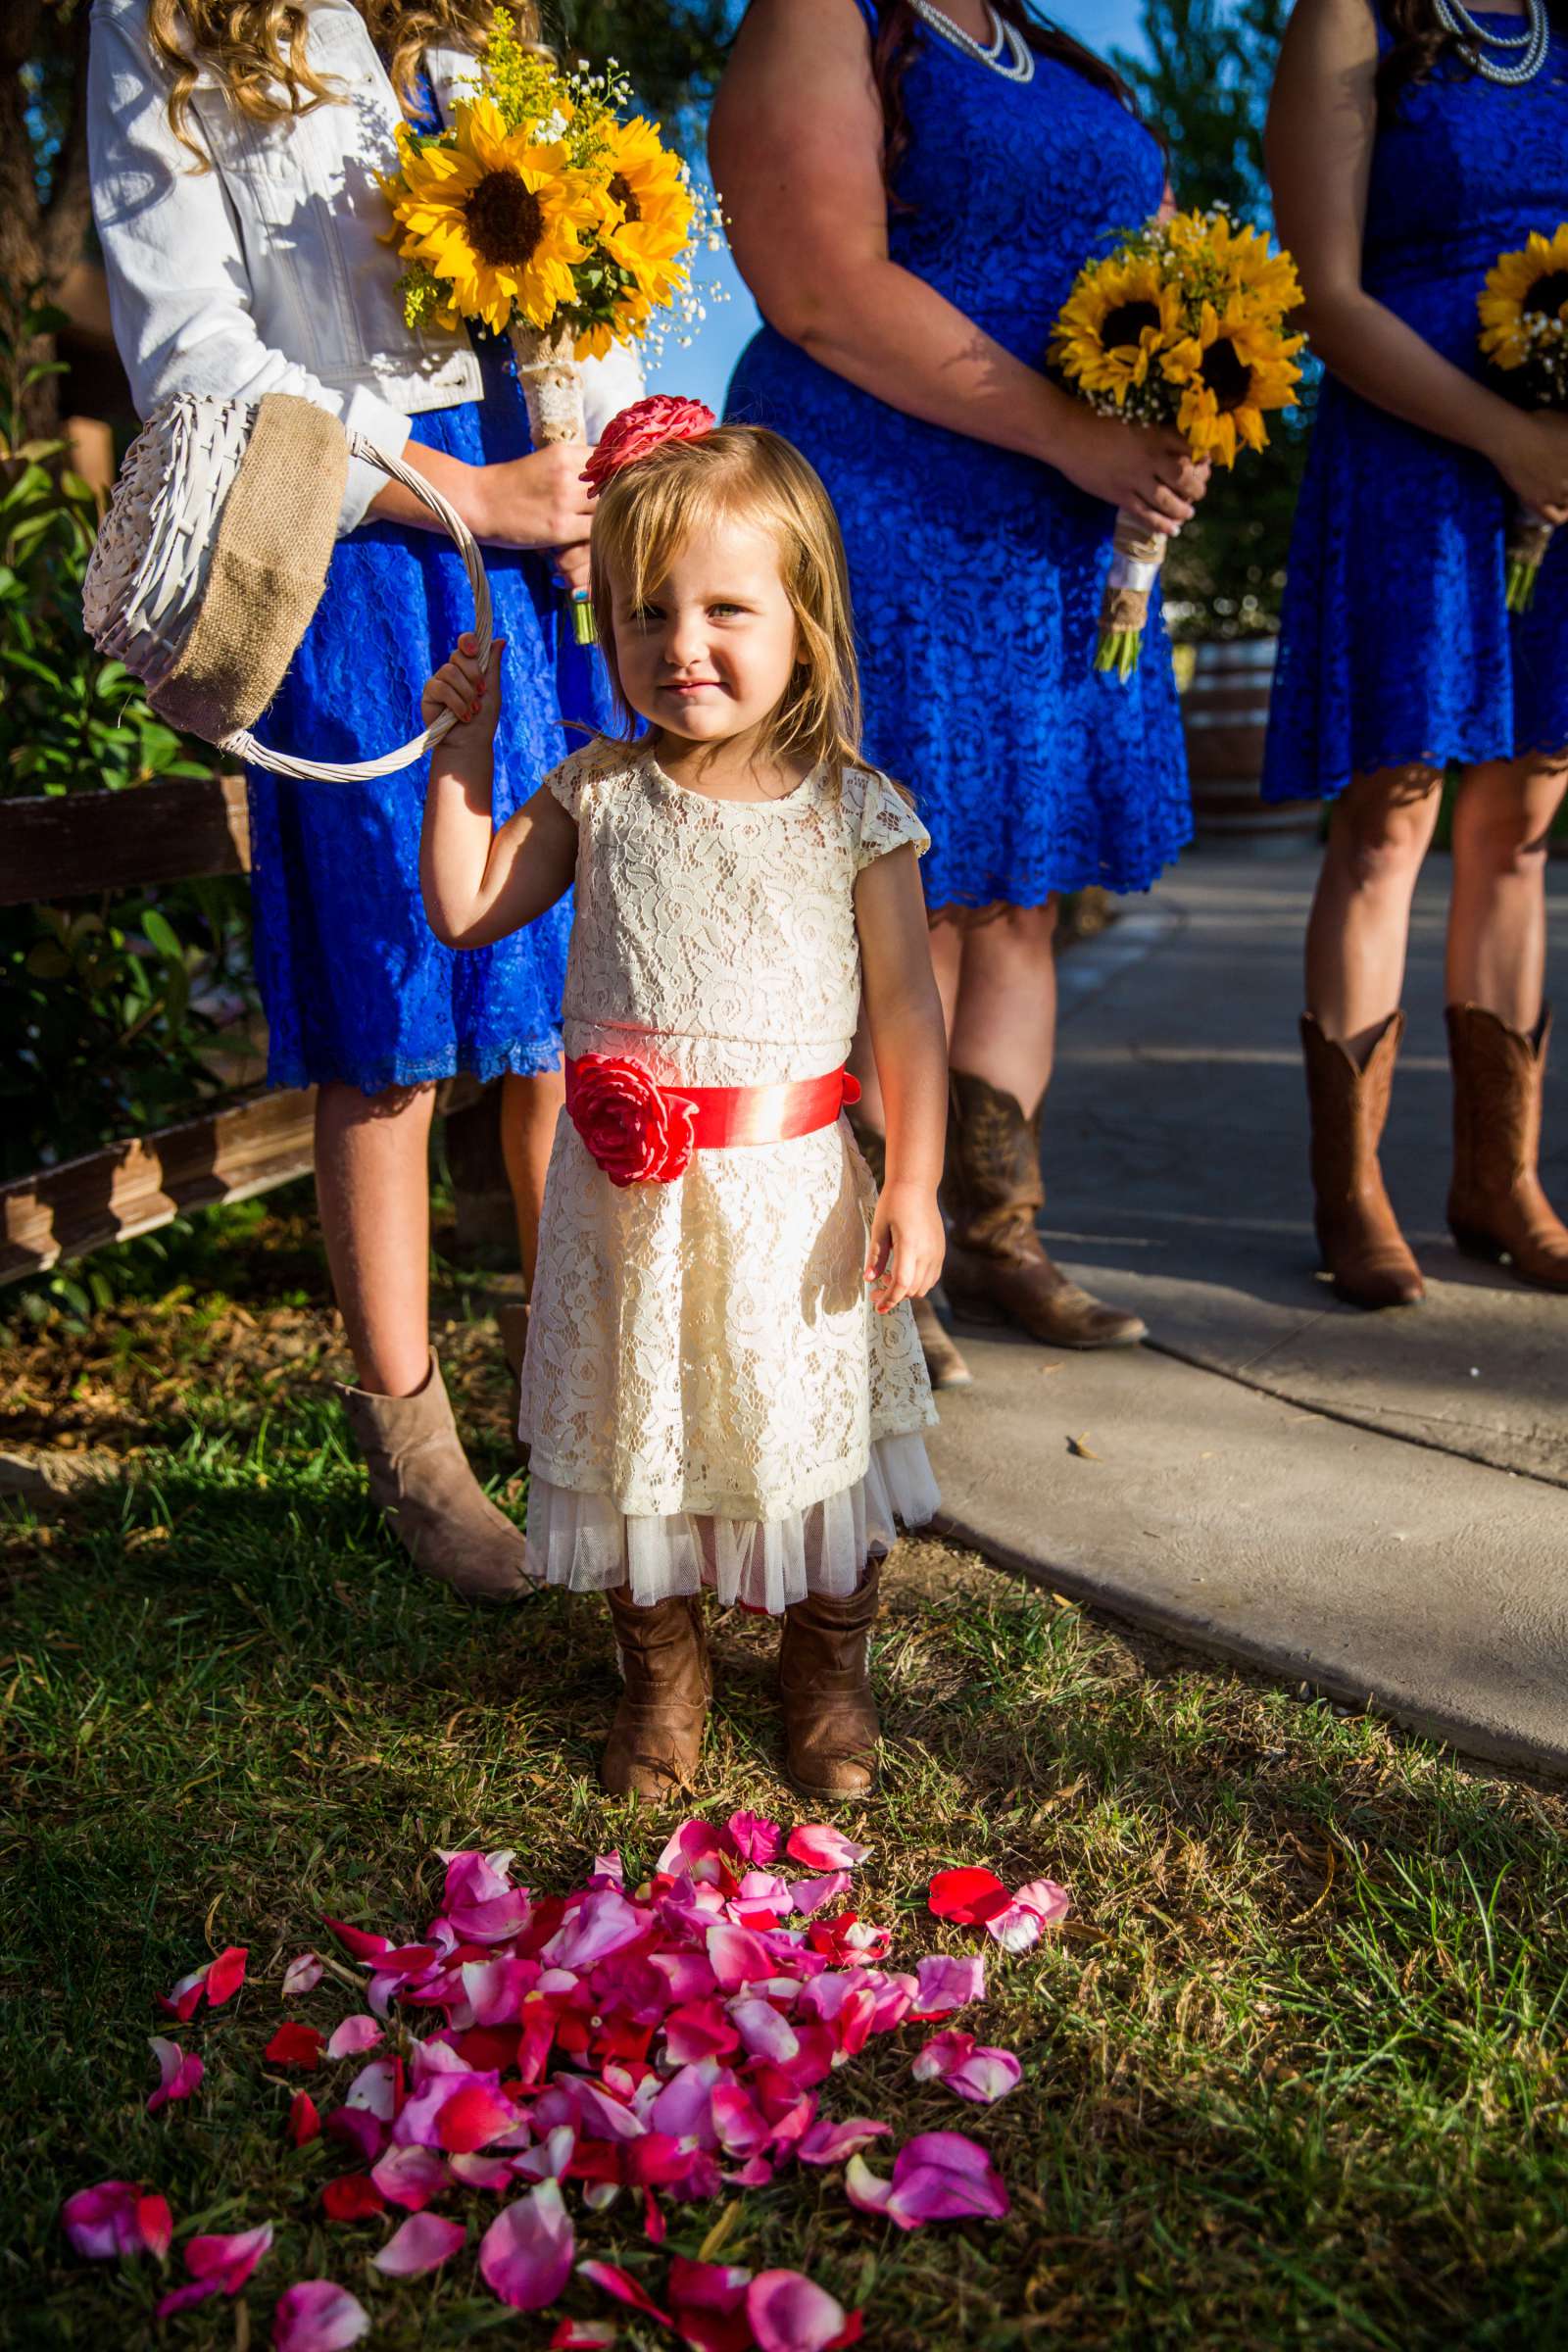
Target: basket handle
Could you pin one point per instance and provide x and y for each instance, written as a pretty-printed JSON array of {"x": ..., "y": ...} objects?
[{"x": 243, "y": 742}]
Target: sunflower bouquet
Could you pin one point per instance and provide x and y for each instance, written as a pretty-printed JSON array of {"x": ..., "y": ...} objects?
[
  {"x": 1524, "y": 336},
  {"x": 547, "y": 213},
  {"x": 1183, "y": 325}
]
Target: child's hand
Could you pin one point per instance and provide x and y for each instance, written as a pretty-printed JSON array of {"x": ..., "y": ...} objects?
[
  {"x": 908, "y": 1246},
  {"x": 462, "y": 687}
]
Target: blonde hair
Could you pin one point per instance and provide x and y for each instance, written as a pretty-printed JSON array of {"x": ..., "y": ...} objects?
[
  {"x": 258, "y": 49},
  {"x": 742, "y": 473}
]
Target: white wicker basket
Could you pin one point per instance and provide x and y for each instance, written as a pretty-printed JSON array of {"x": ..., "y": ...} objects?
[{"x": 149, "y": 569}]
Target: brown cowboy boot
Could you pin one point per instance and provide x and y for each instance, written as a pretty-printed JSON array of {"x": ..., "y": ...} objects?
[
  {"x": 657, "y": 1736},
  {"x": 943, "y": 1364},
  {"x": 830, "y": 1724},
  {"x": 1496, "y": 1208},
  {"x": 997, "y": 1270},
  {"x": 420, "y": 1482},
  {"x": 1356, "y": 1228}
]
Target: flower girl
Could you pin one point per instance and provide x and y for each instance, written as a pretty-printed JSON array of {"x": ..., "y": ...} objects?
[{"x": 723, "y": 1386}]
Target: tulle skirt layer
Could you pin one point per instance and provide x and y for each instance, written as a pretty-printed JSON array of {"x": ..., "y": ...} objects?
[{"x": 584, "y": 1542}]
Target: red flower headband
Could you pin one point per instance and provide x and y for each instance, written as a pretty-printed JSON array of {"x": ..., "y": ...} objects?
[{"x": 641, "y": 428}]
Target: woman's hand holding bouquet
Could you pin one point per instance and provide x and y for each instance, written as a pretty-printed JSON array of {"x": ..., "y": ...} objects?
[
  {"x": 1524, "y": 336},
  {"x": 1181, "y": 329},
  {"x": 543, "y": 214}
]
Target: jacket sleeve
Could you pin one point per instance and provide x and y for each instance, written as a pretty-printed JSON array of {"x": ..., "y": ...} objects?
[{"x": 179, "y": 289}]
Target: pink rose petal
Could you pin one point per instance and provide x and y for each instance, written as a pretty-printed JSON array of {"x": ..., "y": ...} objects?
[
  {"x": 822, "y": 1847},
  {"x": 972, "y": 2070},
  {"x": 943, "y": 2176},
  {"x": 737, "y": 1957},
  {"x": 810, "y": 1894},
  {"x": 525, "y": 2255},
  {"x": 693, "y": 1844},
  {"x": 422, "y": 2244},
  {"x": 355, "y": 2035},
  {"x": 792, "y": 2313},
  {"x": 317, "y": 2317},
  {"x": 830, "y": 2142},
  {"x": 409, "y": 2176},
  {"x": 302, "y": 1975},
  {"x": 604, "y": 1922},
  {"x": 180, "y": 2072},
  {"x": 475, "y": 2116},
  {"x": 623, "y": 2287},
  {"x": 116, "y": 2219},
  {"x": 752, "y": 1839},
  {"x": 219, "y": 2265},
  {"x": 943, "y": 1984}
]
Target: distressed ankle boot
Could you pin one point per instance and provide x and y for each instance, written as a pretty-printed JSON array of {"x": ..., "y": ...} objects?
[
  {"x": 422, "y": 1483},
  {"x": 1496, "y": 1208},
  {"x": 1357, "y": 1231},
  {"x": 656, "y": 1737},
  {"x": 830, "y": 1721}
]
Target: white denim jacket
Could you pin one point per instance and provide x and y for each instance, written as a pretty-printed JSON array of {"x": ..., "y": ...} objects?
[{"x": 268, "y": 273}]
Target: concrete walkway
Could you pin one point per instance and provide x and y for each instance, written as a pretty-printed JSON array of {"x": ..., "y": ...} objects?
[{"x": 1371, "y": 1504}]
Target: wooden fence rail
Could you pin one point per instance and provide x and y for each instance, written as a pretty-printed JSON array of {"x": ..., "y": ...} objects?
[{"x": 174, "y": 830}]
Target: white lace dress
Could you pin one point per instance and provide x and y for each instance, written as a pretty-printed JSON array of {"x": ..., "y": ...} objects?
[{"x": 709, "y": 1394}]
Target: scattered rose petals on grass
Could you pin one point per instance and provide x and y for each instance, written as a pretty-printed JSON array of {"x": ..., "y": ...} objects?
[
  {"x": 219, "y": 2266},
  {"x": 180, "y": 2072},
  {"x": 937, "y": 2177},
  {"x": 1033, "y": 1909},
  {"x": 295, "y": 2045},
  {"x": 316, "y": 2316},
  {"x": 302, "y": 1975},
  {"x": 525, "y": 2256},
  {"x": 977, "y": 1898},
  {"x": 116, "y": 2218},
  {"x": 422, "y": 2243}
]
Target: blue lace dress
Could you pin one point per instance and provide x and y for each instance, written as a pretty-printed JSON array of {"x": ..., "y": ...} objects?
[
  {"x": 977, "y": 574},
  {"x": 1396, "y": 644}
]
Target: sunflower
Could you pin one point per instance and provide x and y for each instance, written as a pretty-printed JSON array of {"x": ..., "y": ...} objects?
[
  {"x": 497, "y": 217},
  {"x": 1117, "y": 321},
  {"x": 646, "y": 211},
  {"x": 1524, "y": 293},
  {"x": 1233, "y": 370}
]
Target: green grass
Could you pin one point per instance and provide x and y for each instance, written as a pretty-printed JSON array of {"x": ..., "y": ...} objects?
[{"x": 1294, "y": 2073}]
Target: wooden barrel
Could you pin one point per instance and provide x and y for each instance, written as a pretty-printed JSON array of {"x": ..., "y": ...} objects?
[{"x": 1225, "y": 714}]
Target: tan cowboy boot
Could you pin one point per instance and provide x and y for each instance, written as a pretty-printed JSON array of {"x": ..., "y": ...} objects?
[
  {"x": 1496, "y": 1208},
  {"x": 656, "y": 1737},
  {"x": 1357, "y": 1231},
  {"x": 997, "y": 1270},
  {"x": 830, "y": 1723},
  {"x": 420, "y": 1482},
  {"x": 944, "y": 1365}
]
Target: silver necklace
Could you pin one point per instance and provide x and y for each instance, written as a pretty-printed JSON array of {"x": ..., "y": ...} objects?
[
  {"x": 1008, "y": 55},
  {"x": 1474, "y": 40}
]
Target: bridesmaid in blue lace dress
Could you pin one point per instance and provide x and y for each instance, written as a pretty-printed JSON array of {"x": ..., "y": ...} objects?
[
  {"x": 1405, "y": 160},
  {"x": 944, "y": 176},
  {"x": 233, "y": 181}
]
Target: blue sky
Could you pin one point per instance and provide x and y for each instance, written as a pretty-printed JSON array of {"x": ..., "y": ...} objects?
[{"x": 703, "y": 372}]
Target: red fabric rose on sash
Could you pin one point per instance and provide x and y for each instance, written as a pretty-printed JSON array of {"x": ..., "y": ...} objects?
[{"x": 629, "y": 1126}]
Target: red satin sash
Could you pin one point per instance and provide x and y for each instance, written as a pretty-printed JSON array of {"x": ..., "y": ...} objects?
[{"x": 727, "y": 1116}]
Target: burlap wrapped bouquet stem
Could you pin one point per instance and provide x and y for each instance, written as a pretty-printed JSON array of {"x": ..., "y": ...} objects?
[
  {"x": 1137, "y": 554},
  {"x": 551, "y": 376}
]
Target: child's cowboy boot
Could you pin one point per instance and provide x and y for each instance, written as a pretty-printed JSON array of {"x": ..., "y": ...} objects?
[
  {"x": 830, "y": 1723},
  {"x": 944, "y": 1365},
  {"x": 1356, "y": 1228},
  {"x": 998, "y": 1268},
  {"x": 421, "y": 1482},
  {"x": 656, "y": 1737},
  {"x": 1496, "y": 1208}
]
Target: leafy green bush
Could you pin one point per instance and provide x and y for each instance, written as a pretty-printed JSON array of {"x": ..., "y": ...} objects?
[{"x": 110, "y": 1007}]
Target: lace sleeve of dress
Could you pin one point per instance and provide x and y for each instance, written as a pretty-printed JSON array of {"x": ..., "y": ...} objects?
[
  {"x": 884, "y": 820},
  {"x": 571, "y": 781}
]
